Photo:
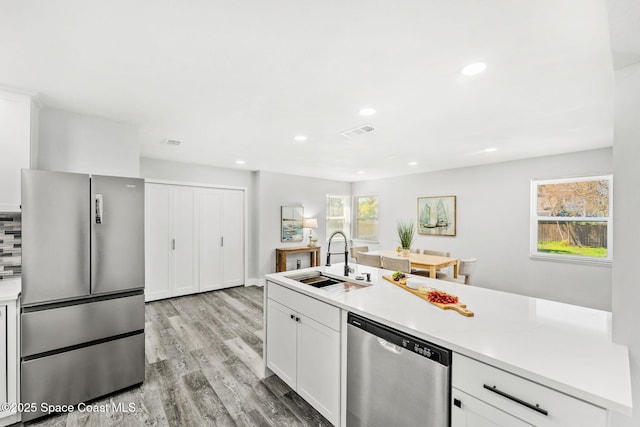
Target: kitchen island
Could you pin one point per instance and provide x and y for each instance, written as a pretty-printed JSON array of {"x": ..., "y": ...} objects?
[{"x": 543, "y": 348}]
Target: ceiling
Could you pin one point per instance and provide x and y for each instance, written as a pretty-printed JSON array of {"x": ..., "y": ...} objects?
[{"x": 237, "y": 80}]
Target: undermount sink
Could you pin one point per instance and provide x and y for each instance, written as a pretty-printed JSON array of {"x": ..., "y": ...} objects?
[
  {"x": 315, "y": 279},
  {"x": 319, "y": 280}
]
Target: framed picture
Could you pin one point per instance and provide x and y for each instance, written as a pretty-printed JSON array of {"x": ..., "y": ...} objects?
[
  {"x": 291, "y": 223},
  {"x": 437, "y": 215}
]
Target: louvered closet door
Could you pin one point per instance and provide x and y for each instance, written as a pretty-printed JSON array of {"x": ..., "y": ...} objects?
[
  {"x": 210, "y": 235},
  {"x": 233, "y": 234}
]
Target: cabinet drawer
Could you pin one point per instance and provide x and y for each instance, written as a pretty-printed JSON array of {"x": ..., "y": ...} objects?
[
  {"x": 499, "y": 388},
  {"x": 319, "y": 311},
  {"x": 83, "y": 374},
  {"x": 66, "y": 326}
]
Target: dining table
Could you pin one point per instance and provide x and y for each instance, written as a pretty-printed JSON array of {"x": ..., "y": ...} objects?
[{"x": 432, "y": 263}]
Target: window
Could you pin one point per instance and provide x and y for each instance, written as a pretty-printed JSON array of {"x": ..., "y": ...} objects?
[
  {"x": 571, "y": 219},
  {"x": 338, "y": 218},
  {"x": 366, "y": 218}
]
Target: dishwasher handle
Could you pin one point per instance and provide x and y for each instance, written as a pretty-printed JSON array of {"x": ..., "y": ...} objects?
[{"x": 389, "y": 347}]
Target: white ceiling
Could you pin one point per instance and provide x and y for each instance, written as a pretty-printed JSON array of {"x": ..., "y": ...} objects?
[{"x": 239, "y": 79}]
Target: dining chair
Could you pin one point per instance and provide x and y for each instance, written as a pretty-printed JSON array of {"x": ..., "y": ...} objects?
[
  {"x": 396, "y": 264},
  {"x": 423, "y": 272},
  {"x": 466, "y": 268},
  {"x": 370, "y": 260},
  {"x": 355, "y": 251},
  {"x": 437, "y": 253}
]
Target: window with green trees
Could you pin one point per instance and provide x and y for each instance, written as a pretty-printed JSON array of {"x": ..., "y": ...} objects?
[
  {"x": 572, "y": 218},
  {"x": 366, "y": 218}
]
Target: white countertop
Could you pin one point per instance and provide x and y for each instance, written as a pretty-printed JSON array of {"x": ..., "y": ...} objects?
[
  {"x": 10, "y": 288},
  {"x": 562, "y": 346}
]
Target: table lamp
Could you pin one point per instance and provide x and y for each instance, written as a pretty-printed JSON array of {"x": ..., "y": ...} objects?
[{"x": 310, "y": 223}]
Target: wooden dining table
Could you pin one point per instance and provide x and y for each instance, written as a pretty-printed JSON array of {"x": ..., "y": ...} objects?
[{"x": 432, "y": 263}]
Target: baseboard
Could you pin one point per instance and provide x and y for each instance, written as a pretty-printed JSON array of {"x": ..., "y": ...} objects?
[{"x": 254, "y": 281}]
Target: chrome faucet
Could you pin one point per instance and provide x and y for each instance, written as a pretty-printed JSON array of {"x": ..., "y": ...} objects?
[{"x": 347, "y": 270}]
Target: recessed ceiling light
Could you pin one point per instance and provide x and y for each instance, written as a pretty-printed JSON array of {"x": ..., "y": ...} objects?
[
  {"x": 173, "y": 142},
  {"x": 473, "y": 69},
  {"x": 413, "y": 163},
  {"x": 490, "y": 149},
  {"x": 240, "y": 162},
  {"x": 300, "y": 138},
  {"x": 361, "y": 172},
  {"x": 368, "y": 111}
]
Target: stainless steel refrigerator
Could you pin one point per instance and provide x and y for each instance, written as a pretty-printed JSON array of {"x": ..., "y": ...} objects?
[{"x": 82, "y": 316}]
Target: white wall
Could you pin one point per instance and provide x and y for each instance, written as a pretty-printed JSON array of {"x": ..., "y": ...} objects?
[
  {"x": 188, "y": 172},
  {"x": 199, "y": 174},
  {"x": 71, "y": 142},
  {"x": 626, "y": 279},
  {"x": 493, "y": 203},
  {"x": 276, "y": 190}
]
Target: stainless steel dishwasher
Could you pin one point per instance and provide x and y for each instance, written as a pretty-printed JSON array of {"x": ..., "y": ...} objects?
[{"x": 395, "y": 379}]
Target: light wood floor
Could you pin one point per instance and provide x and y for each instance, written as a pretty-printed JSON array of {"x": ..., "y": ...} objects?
[{"x": 204, "y": 355}]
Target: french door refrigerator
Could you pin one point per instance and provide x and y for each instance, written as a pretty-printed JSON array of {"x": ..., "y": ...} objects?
[{"x": 82, "y": 315}]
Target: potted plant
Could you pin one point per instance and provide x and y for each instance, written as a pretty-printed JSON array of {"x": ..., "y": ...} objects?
[{"x": 406, "y": 231}]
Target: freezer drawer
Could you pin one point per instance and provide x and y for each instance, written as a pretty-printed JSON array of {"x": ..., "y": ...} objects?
[
  {"x": 80, "y": 375},
  {"x": 65, "y": 326}
]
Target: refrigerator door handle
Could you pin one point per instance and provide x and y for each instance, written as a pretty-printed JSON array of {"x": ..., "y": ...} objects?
[{"x": 99, "y": 209}]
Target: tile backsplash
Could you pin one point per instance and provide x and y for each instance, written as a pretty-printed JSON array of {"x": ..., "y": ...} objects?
[{"x": 10, "y": 245}]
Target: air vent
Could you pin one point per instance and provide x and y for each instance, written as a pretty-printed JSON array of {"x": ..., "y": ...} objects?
[
  {"x": 173, "y": 142},
  {"x": 360, "y": 130}
]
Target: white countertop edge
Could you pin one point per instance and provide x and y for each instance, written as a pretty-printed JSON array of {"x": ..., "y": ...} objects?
[
  {"x": 621, "y": 406},
  {"x": 10, "y": 289}
]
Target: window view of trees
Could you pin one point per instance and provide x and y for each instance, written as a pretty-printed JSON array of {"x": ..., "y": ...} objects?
[
  {"x": 366, "y": 221},
  {"x": 573, "y": 217}
]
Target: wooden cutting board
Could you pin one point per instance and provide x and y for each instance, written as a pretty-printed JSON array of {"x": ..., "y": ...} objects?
[{"x": 459, "y": 307}]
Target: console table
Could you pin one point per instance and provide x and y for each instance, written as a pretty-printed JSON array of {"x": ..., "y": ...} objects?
[{"x": 281, "y": 256}]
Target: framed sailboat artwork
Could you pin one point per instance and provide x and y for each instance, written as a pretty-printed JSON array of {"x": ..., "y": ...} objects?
[
  {"x": 437, "y": 215},
  {"x": 291, "y": 223}
]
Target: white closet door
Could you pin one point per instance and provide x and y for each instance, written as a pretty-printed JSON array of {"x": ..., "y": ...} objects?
[
  {"x": 185, "y": 246},
  {"x": 233, "y": 232},
  {"x": 158, "y": 242},
  {"x": 210, "y": 221}
]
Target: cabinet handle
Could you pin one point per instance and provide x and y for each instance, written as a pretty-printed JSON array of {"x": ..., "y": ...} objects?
[
  {"x": 293, "y": 317},
  {"x": 457, "y": 402},
  {"x": 222, "y": 241},
  {"x": 535, "y": 407},
  {"x": 173, "y": 244},
  {"x": 297, "y": 319}
]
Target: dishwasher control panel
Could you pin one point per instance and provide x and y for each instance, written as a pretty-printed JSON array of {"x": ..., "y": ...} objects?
[{"x": 416, "y": 345}]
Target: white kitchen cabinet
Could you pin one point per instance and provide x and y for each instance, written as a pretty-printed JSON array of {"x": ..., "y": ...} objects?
[
  {"x": 282, "y": 333},
  {"x": 194, "y": 239},
  {"x": 303, "y": 347},
  {"x": 490, "y": 396},
  {"x": 18, "y": 121},
  {"x": 9, "y": 359},
  {"x": 3, "y": 354},
  {"x": 467, "y": 411}
]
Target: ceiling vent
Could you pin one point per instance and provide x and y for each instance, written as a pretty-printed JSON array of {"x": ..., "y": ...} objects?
[
  {"x": 173, "y": 142},
  {"x": 360, "y": 130}
]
